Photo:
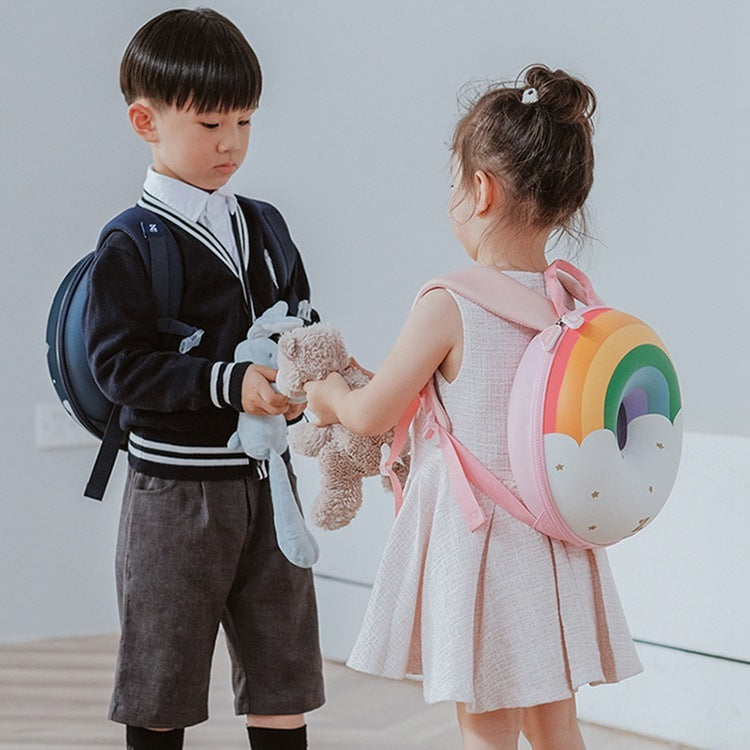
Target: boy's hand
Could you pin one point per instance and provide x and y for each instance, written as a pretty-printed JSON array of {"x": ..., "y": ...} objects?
[
  {"x": 294, "y": 410},
  {"x": 257, "y": 395}
]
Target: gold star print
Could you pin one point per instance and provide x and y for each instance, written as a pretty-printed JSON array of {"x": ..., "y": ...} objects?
[
  {"x": 660, "y": 446},
  {"x": 595, "y": 494},
  {"x": 641, "y": 524},
  {"x": 560, "y": 467}
]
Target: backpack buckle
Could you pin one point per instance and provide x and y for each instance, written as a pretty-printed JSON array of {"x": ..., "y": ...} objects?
[{"x": 191, "y": 341}]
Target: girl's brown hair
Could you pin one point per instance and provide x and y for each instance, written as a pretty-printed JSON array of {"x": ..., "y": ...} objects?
[{"x": 538, "y": 145}]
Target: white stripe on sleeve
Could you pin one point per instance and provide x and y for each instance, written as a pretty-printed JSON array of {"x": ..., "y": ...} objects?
[{"x": 213, "y": 387}]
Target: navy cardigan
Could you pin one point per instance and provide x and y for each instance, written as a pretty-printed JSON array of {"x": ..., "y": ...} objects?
[{"x": 181, "y": 409}]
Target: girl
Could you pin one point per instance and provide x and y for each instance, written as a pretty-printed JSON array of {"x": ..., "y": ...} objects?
[{"x": 504, "y": 621}]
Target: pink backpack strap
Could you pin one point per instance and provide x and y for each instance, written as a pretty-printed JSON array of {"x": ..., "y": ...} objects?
[
  {"x": 507, "y": 298},
  {"x": 464, "y": 469},
  {"x": 498, "y": 294},
  {"x": 390, "y": 456}
]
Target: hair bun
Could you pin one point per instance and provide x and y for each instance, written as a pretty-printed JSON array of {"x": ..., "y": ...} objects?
[{"x": 567, "y": 99}]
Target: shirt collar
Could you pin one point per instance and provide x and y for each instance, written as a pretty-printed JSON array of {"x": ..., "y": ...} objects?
[{"x": 187, "y": 200}]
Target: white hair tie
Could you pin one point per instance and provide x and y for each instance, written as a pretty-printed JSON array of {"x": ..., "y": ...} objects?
[{"x": 529, "y": 96}]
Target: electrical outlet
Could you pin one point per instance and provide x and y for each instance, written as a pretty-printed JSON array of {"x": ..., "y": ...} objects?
[{"x": 55, "y": 428}]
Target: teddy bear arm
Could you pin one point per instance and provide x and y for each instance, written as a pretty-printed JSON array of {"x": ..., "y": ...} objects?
[
  {"x": 307, "y": 439},
  {"x": 341, "y": 489}
]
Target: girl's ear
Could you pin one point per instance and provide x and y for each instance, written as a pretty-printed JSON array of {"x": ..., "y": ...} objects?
[
  {"x": 487, "y": 192},
  {"x": 143, "y": 119}
]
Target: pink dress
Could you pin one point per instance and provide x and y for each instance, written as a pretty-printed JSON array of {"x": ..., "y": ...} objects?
[{"x": 502, "y": 617}]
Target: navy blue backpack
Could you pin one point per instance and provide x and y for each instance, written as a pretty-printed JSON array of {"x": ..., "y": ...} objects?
[{"x": 66, "y": 348}]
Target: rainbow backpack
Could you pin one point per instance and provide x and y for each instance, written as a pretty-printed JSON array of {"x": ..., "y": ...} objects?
[{"x": 594, "y": 420}]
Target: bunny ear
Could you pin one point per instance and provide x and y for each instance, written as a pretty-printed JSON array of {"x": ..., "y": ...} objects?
[
  {"x": 254, "y": 331},
  {"x": 273, "y": 315},
  {"x": 277, "y": 310},
  {"x": 288, "y": 324},
  {"x": 280, "y": 326}
]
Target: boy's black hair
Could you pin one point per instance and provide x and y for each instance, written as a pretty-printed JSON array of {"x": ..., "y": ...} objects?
[{"x": 191, "y": 58}]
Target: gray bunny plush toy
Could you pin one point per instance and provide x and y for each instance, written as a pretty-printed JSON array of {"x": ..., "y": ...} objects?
[{"x": 265, "y": 439}]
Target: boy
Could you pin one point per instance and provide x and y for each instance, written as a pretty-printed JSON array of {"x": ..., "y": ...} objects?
[{"x": 196, "y": 543}]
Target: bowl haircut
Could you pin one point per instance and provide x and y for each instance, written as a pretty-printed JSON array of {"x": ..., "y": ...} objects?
[{"x": 192, "y": 59}]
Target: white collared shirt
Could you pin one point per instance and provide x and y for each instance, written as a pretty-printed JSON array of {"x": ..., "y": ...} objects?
[{"x": 213, "y": 210}]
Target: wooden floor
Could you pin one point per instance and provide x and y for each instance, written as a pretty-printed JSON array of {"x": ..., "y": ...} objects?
[{"x": 54, "y": 695}]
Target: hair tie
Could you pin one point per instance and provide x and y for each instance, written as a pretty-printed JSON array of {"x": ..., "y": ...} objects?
[{"x": 529, "y": 96}]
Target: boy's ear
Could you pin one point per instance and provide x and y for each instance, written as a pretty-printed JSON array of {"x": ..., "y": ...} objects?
[{"x": 142, "y": 118}]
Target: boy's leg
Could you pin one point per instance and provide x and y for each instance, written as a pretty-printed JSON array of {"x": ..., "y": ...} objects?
[
  {"x": 272, "y": 630},
  {"x": 177, "y": 554},
  {"x": 281, "y": 721}
]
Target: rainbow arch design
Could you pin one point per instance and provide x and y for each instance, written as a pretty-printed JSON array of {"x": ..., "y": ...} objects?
[{"x": 606, "y": 373}]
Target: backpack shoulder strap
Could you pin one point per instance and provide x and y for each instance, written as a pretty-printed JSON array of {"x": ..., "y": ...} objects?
[
  {"x": 507, "y": 298},
  {"x": 159, "y": 253},
  {"x": 278, "y": 241},
  {"x": 163, "y": 263},
  {"x": 464, "y": 468},
  {"x": 499, "y": 294}
]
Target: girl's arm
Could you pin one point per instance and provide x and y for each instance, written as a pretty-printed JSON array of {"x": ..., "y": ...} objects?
[{"x": 431, "y": 333}]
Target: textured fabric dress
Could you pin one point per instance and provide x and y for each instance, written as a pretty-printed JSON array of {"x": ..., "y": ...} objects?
[{"x": 505, "y": 616}]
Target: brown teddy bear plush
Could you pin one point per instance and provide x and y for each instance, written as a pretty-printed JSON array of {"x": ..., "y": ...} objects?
[{"x": 312, "y": 353}]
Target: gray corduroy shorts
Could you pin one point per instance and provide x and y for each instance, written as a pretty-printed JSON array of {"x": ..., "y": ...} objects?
[{"x": 191, "y": 555}]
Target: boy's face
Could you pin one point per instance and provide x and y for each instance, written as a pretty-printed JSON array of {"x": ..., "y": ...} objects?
[{"x": 202, "y": 150}]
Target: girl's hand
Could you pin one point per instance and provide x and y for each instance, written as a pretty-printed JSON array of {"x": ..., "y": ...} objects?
[{"x": 322, "y": 397}]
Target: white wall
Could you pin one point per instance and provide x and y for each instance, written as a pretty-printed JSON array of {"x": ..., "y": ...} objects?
[
  {"x": 69, "y": 163},
  {"x": 350, "y": 141}
]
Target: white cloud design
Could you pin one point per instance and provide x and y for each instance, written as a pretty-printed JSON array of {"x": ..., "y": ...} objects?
[{"x": 605, "y": 494}]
